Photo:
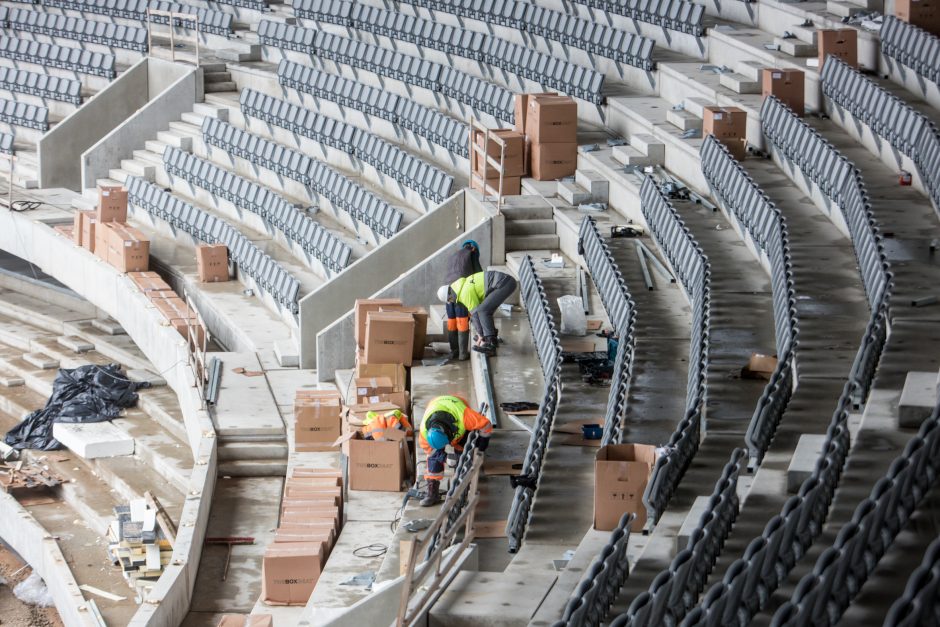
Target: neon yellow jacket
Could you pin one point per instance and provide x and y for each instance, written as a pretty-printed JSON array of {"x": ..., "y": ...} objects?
[{"x": 470, "y": 290}]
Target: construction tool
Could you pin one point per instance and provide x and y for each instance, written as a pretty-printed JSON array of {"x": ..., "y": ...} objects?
[{"x": 229, "y": 542}]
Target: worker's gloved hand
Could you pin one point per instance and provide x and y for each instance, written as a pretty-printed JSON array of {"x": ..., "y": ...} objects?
[{"x": 482, "y": 443}]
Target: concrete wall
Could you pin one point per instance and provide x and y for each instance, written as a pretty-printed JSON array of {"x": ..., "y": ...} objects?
[
  {"x": 170, "y": 89},
  {"x": 368, "y": 275},
  {"x": 61, "y": 148}
]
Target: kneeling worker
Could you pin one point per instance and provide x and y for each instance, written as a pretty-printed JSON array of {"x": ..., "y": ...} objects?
[
  {"x": 480, "y": 294},
  {"x": 447, "y": 420}
]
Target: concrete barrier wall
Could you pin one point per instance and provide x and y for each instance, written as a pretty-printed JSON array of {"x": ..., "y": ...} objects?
[
  {"x": 336, "y": 344},
  {"x": 61, "y": 148},
  {"x": 371, "y": 273},
  {"x": 170, "y": 90}
]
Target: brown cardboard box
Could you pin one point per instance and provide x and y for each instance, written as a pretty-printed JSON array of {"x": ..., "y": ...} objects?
[
  {"x": 362, "y": 308},
  {"x": 212, "y": 262},
  {"x": 323, "y": 536},
  {"x": 157, "y": 294},
  {"x": 379, "y": 464},
  {"x": 512, "y": 185},
  {"x": 372, "y": 386},
  {"x": 150, "y": 283},
  {"x": 924, "y": 14},
  {"x": 389, "y": 338},
  {"x": 621, "y": 472},
  {"x": 354, "y": 417},
  {"x": 522, "y": 105},
  {"x": 112, "y": 204},
  {"x": 296, "y": 493},
  {"x": 551, "y": 120},
  {"x": 323, "y": 513},
  {"x": 513, "y": 158},
  {"x": 102, "y": 235},
  {"x": 171, "y": 308},
  {"x": 786, "y": 85},
  {"x": 841, "y": 43},
  {"x": 729, "y": 126},
  {"x": 759, "y": 367},
  {"x": 421, "y": 329},
  {"x": 289, "y": 572},
  {"x": 246, "y": 620},
  {"x": 553, "y": 161},
  {"x": 317, "y": 420},
  {"x": 77, "y": 228},
  {"x": 128, "y": 248},
  {"x": 396, "y": 372},
  {"x": 88, "y": 229},
  {"x": 304, "y": 471}
]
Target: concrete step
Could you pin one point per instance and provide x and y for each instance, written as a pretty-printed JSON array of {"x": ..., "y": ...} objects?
[
  {"x": 252, "y": 451},
  {"x": 843, "y": 9},
  {"x": 192, "y": 118},
  {"x": 84, "y": 203},
  {"x": 739, "y": 83},
  {"x": 537, "y": 226},
  {"x": 531, "y": 242},
  {"x": 118, "y": 175},
  {"x": 751, "y": 69},
  {"x": 130, "y": 477},
  {"x": 596, "y": 185},
  {"x": 696, "y": 105},
  {"x": 795, "y": 47},
  {"x": 212, "y": 68},
  {"x": 628, "y": 155},
  {"x": 138, "y": 168},
  {"x": 683, "y": 120},
  {"x": 222, "y": 101},
  {"x": 212, "y": 88},
  {"x": 249, "y": 51},
  {"x": 540, "y": 211},
  {"x": 806, "y": 34},
  {"x": 207, "y": 110},
  {"x": 153, "y": 157},
  {"x": 156, "y": 146},
  {"x": 252, "y": 468},
  {"x": 107, "y": 325},
  {"x": 572, "y": 193},
  {"x": 173, "y": 138},
  {"x": 217, "y": 77},
  {"x": 654, "y": 149},
  {"x": 10, "y": 380},
  {"x": 75, "y": 344},
  {"x": 186, "y": 129}
]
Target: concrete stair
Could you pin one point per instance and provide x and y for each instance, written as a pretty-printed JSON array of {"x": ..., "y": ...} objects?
[
  {"x": 118, "y": 176},
  {"x": 192, "y": 118},
  {"x": 152, "y": 157},
  {"x": 252, "y": 468},
  {"x": 154, "y": 145},
  {"x": 739, "y": 83},
  {"x": 186, "y": 129},
  {"x": 538, "y": 226},
  {"x": 532, "y": 242},
  {"x": 683, "y": 120},
  {"x": 795, "y": 47},
  {"x": 206, "y": 109},
  {"x": 138, "y": 168},
  {"x": 176, "y": 138}
]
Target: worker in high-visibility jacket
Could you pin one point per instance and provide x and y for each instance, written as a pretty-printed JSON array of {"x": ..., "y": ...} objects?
[
  {"x": 394, "y": 419},
  {"x": 463, "y": 262},
  {"x": 481, "y": 294},
  {"x": 448, "y": 420}
]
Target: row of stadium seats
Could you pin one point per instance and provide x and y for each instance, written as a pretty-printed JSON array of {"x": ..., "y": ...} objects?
[
  {"x": 680, "y": 15},
  {"x": 41, "y": 85},
  {"x": 761, "y": 222},
  {"x": 544, "y": 69},
  {"x": 548, "y": 348},
  {"x": 426, "y": 122},
  {"x": 918, "y": 605},
  {"x": 61, "y": 57},
  {"x": 268, "y": 274},
  {"x": 343, "y": 194},
  {"x": 22, "y": 114},
  {"x": 912, "y": 47},
  {"x": 6, "y": 143},
  {"x": 85, "y": 31},
  {"x": 210, "y": 21},
  {"x": 273, "y": 208},
  {"x": 694, "y": 274},
  {"x": 385, "y": 157},
  {"x": 475, "y": 92}
]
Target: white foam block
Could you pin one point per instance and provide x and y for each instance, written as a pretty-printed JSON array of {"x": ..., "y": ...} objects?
[
  {"x": 99, "y": 439},
  {"x": 153, "y": 556},
  {"x": 138, "y": 510}
]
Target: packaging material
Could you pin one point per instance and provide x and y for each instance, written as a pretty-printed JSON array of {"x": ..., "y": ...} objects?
[
  {"x": 246, "y": 620},
  {"x": 573, "y": 319},
  {"x": 292, "y": 514},
  {"x": 303, "y": 471},
  {"x": 317, "y": 416},
  {"x": 924, "y": 14},
  {"x": 112, "y": 204},
  {"x": 420, "y": 315},
  {"x": 553, "y": 161},
  {"x": 389, "y": 338},
  {"x": 88, "y": 223},
  {"x": 77, "y": 228},
  {"x": 362, "y": 308},
  {"x": 102, "y": 235},
  {"x": 621, "y": 472},
  {"x": 551, "y": 120},
  {"x": 33, "y": 591},
  {"x": 759, "y": 367},
  {"x": 787, "y": 86},
  {"x": 513, "y": 157},
  {"x": 521, "y": 108},
  {"x": 842, "y": 43},
  {"x": 149, "y": 282},
  {"x": 378, "y": 464},
  {"x": 212, "y": 262},
  {"x": 729, "y": 126},
  {"x": 512, "y": 185},
  {"x": 292, "y": 534},
  {"x": 289, "y": 572},
  {"x": 128, "y": 249},
  {"x": 396, "y": 372}
]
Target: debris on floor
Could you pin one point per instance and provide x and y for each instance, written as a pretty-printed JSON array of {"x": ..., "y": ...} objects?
[
  {"x": 26, "y": 478},
  {"x": 137, "y": 543}
]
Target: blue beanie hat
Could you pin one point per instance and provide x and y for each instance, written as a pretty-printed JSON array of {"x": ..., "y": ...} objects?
[
  {"x": 437, "y": 439},
  {"x": 471, "y": 243}
]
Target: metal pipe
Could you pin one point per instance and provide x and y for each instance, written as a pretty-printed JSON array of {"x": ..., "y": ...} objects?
[
  {"x": 646, "y": 271},
  {"x": 657, "y": 264}
]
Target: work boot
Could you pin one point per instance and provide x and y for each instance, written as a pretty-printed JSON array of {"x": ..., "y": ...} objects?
[
  {"x": 488, "y": 347},
  {"x": 454, "y": 344},
  {"x": 463, "y": 340},
  {"x": 433, "y": 494}
]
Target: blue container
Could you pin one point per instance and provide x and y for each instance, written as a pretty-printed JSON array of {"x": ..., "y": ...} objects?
[{"x": 592, "y": 432}]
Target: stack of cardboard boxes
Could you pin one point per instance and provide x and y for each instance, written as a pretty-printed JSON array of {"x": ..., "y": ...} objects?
[
  {"x": 106, "y": 233},
  {"x": 246, "y": 620},
  {"x": 180, "y": 316},
  {"x": 729, "y": 126},
  {"x": 311, "y": 520},
  {"x": 550, "y": 124},
  {"x": 841, "y": 43},
  {"x": 212, "y": 262},
  {"x": 923, "y": 14},
  {"x": 513, "y": 160},
  {"x": 786, "y": 85}
]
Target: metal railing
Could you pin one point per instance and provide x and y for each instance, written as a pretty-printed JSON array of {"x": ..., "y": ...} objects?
[
  {"x": 912, "y": 47},
  {"x": 621, "y": 310},
  {"x": 918, "y": 605},
  {"x": 691, "y": 268},
  {"x": 548, "y": 348}
]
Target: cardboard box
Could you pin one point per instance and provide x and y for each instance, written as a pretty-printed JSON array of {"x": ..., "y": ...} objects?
[
  {"x": 729, "y": 126},
  {"x": 841, "y": 43},
  {"x": 621, "y": 472},
  {"x": 150, "y": 283},
  {"x": 101, "y": 234},
  {"x": 321, "y": 512},
  {"x": 512, "y": 185},
  {"x": 212, "y": 262},
  {"x": 396, "y": 372},
  {"x": 303, "y": 471},
  {"x": 128, "y": 248},
  {"x": 324, "y": 536},
  {"x": 551, "y": 120},
  {"x": 317, "y": 420},
  {"x": 521, "y": 106},
  {"x": 247, "y": 620},
  {"x": 420, "y": 315},
  {"x": 379, "y": 464},
  {"x": 553, "y": 161},
  {"x": 112, "y": 204},
  {"x": 924, "y": 14},
  {"x": 389, "y": 337},
  {"x": 88, "y": 222},
  {"x": 759, "y": 367},
  {"x": 787, "y": 86},
  {"x": 77, "y": 228},
  {"x": 289, "y": 572},
  {"x": 362, "y": 308},
  {"x": 173, "y": 307},
  {"x": 354, "y": 417},
  {"x": 513, "y": 158}
]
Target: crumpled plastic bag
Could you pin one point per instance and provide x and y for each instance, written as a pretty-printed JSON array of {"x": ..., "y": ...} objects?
[
  {"x": 573, "y": 320},
  {"x": 33, "y": 591},
  {"x": 80, "y": 395}
]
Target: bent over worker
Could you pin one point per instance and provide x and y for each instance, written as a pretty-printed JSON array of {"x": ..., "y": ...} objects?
[
  {"x": 448, "y": 420},
  {"x": 481, "y": 294}
]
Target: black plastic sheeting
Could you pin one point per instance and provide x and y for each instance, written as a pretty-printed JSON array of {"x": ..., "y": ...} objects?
[{"x": 84, "y": 394}]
